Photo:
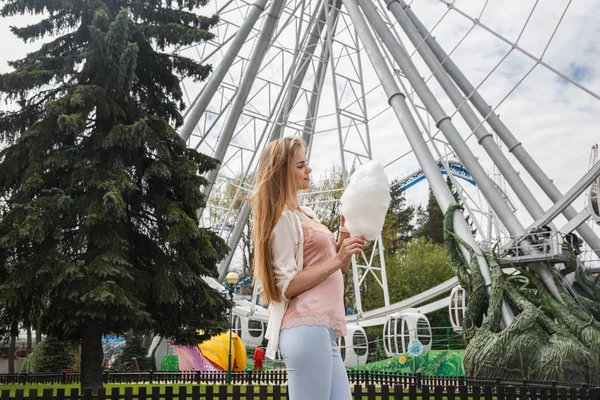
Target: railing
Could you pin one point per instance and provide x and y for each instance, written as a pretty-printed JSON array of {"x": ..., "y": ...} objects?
[
  {"x": 278, "y": 377},
  {"x": 442, "y": 338},
  {"x": 445, "y": 338},
  {"x": 544, "y": 245},
  {"x": 275, "y": 378},
  {"x": 589, "y": 261}
]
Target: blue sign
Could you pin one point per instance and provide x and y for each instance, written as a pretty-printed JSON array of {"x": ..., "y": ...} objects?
[{"x": 415, "y": 348}]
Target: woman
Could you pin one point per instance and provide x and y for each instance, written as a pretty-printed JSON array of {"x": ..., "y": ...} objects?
[{"x": 299, "y": 266}]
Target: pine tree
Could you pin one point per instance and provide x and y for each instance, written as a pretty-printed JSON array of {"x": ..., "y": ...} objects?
[
  {"x": 98, "y": 192},
  {"x": 398, "y": 228},
  {"x": 52, "y": 355},
  {"x": 133, "y": 350},
  {"x": 430, "y": 221}
]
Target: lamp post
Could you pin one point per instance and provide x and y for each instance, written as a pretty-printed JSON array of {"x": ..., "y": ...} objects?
[{"x": 232, "y": 280}]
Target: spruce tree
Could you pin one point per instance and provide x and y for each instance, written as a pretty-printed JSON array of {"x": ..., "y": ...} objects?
[
  {"x": 430, "y": 221},
  {"x": 133, "y": 350},
  {"x": 398, "y": 227},
  {"x": 52, "y": 355},
  {"x": 98, "y": 192}
]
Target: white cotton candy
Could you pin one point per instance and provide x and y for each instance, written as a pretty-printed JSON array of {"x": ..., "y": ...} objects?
[{"x": 366, "y": 200}]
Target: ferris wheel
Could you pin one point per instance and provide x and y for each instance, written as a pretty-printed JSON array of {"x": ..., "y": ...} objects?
[{"x": 410, "y": 83}]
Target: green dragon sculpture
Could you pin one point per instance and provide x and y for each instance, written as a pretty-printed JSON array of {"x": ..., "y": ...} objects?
[{"x": 548, "y": 340}]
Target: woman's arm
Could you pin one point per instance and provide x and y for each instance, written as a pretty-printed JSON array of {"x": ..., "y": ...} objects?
[
  {"x": 305, "y": 280},
  {"x": 289, "y": 279}
]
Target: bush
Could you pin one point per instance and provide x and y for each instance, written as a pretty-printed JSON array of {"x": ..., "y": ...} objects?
[{"x": 52, "y": 355}]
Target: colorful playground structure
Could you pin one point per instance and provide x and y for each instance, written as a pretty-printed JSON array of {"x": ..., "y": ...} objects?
[{"x": 210, "y": 355}]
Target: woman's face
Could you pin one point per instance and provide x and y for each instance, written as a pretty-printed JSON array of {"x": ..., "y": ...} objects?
[{"x": 302, "y": 169}]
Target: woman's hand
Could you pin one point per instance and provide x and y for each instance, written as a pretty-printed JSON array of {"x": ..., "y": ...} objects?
[
  {"x": 343, "y": 234},
  {"x": 349, "y": 248}
]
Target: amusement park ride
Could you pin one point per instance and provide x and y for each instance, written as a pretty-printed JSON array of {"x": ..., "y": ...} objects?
[{"x": 349, "y": 75}]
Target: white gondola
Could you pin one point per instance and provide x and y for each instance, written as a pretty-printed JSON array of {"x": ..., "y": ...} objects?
[
  {"x": 457, "y": 308},
  {"x": 250, "y": 326},
  {"x": 402, "y": 327},
  {"x": 354, "y": 347},
  {"x": 249, "y": 322}
]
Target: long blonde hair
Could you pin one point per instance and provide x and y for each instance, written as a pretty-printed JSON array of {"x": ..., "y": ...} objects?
[{"x": 275, "y": 189}]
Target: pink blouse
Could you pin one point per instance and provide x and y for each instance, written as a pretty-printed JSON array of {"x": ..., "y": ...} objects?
[{"x": 322, "y": 304}]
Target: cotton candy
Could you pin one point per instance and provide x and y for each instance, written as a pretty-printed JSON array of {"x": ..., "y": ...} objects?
[{"x": 366, "y": 199}]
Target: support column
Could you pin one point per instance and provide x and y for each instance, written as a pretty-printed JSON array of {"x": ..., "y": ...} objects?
[
  {"x": 444, "y": 123},
  {"x": 398, "y": 103},
  {"x": 258, "y": 54},
  {"x": 315, "y": 99},
  {"x": 219, "y": 73},
  {"x": 307, "y": 53},
  {"x": 484, "y": 137},
  {"x": 513, "y": 145}
]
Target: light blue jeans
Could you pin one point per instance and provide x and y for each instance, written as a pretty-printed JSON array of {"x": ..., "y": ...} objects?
[{"x": 314, "y": 364}]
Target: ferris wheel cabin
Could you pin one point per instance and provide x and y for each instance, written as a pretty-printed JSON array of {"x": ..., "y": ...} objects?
[{"x": 402, "y": 327}]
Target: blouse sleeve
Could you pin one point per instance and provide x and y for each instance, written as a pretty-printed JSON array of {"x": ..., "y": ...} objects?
[{"x": 284, "y": 243}]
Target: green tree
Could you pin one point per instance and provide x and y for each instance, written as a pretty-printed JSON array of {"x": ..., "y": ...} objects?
[
  {"x": 133, "y": 350},
  {"x": 420, "y": 266},
  {"x": 430, "y": 221},
  {"x": 99, "y": 192},
  {"x": 52, "y": 355},
  {"x": 398, "y": 226},
  {"x": 18, "y": 310},
  {"x": 9, "y": 330}
]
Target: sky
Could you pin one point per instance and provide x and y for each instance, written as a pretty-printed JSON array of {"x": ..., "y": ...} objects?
[{"x": 556, "y": 121}]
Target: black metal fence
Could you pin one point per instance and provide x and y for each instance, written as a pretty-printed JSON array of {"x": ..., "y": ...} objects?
[{"x": 274, "y": 377}]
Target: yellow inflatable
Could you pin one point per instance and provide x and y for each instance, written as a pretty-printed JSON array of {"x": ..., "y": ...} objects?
[{"x": 216, "y": 350}]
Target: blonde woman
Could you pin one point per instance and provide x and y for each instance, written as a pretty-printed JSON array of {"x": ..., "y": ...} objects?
[{"x": 299, "y": 266}]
